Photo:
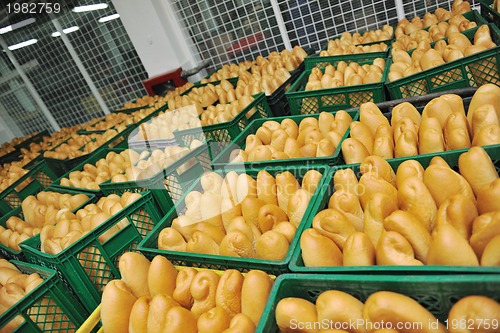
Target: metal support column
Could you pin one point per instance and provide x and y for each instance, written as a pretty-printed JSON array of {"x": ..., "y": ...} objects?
[
  {"x": 400, "y": 9},
  {"x": 80, "y": 66},
  {"x": 30, "y": 87},
  {"x": 281, "y": 24}
]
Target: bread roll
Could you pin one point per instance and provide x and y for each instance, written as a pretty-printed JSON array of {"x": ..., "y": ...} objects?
[
  {"x": 237, "y": 244},
  {"x": 10, "y": 294},
  {"x": 229, "y": 211},
  {"x": 325, "y": 121},
  {"x": 333, "y": 224},
  {"x": 241, "y": 323},
  {"x": 216, "y": 320},
  {"x": 297, "y": 205},
  {"x": 379, "y": 167},
  {"x": 161, "y": 276},
  {"x": 335, "y": 306},
  {"x": 371, "y": 185},
  {"x": 472, "y": 160},
  {"x": 171, "y": 240},
  {"x": 487, "y": 198},
  {"x": 202, "y": 243},
  {"x": 456, "y": 132},
  {"x": 286, "y": 185},
  {"x": 203, "y": 289},
  {"x": 443, "y": 182},
  {"x": 490, "y": 255},
  {"x": 249, "y": 230},
  {"x": 179, "y": 320},
  {"x": 377, "y": 209},
  {"x": 405, "y": 110},
  {"x": 295, "y": 310},
  {"x": 139, "y": 315},
  {"x": 134, "y": 269},
  {"x": 266, "y": 187},
  {"x": 250, "y": 207},
  {"x": 460, "y": 212},
  {"x": 264, "y": 134},
  {"x": 484, "y": 115},
  {"x": 290, "y": 127},
  {"x": 415, "y": 198},
  {"x": 246, "y": 186},
  {"x": 394, "y": 249},
  {"x": 363, "y": 134},
  {"x": 409, "y": 168},
  {"x": 430, "y": 136},
  {"x": 397, "y": 309},
  {"x": 354, "y": 151},
  {"x": 345, "y": 180},
  {"x": 319, "y": 250},
  {"x": 269, "y": 215},
  {"x": 404, "y": 125},
  {"x": 211, "y": 182},
  {"x": 193, "y": 202},
  {"x": 116, "y": 305},
  {"x": 182, "y": 291},
  {"x": 475, "y": 311},
  {"x": 449, "y": 248},
  {"x": 254, "y": 294},
  {"x": 7, "y": 273},
  {"x": 485, "y": 94},
  {"x": 358, "y": 250},
  {"x": 406, "y": 144},
  {"x": 272, "y": 245},
  {"x": 311, "y": 181},
  {"x": 383, "y": 147},
  {"x": 228, "y": 294},
  {"x": 210, "y": 207},
  {"x": 370, "y": 114},
  {"x": 286, "y": 229},
  {"x": 158, "y": 308},
  {"x": 484, "y": 228},
  {"x": 349, "y": 205}
]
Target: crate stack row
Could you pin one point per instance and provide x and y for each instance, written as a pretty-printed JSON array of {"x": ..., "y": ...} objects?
[{"x": 357, "y": 202}]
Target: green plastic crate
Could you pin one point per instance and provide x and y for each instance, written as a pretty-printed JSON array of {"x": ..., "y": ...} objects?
[
  {"x": 41, "y": 177},
  {"x": 37, "y": 138},
  {"x": 451, "y": 157},
  {"x": 222, "y": 160},
  {"x": 50, "y": 307},
  {"x": 471, "y": 71},
  {"x": 8, "y": 253},
  {"x": 12, "y": 156},
  {"x": 321, "y": 62},
  {"x": 149, "y": 246},
  {"x": 87, "y": 265},
  {"x": 278, "y": 103},
  {"x": 178, "y": 182},
  {"x": 233, "y": 80},
  {"x": 488, "y": 12},
  {"x": 223, "y": 133},
  {"x": 334, "y": 99},
  {"x": 437, "y": 293}
]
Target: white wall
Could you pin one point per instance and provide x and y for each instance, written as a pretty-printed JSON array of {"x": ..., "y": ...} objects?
[{"x": 156, "y": 35}]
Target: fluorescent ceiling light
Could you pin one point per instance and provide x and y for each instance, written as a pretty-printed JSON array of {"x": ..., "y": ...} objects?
[
  {"x": 109, "y": 18},
  {"x": 66, "y": 31},
  {"x": 22, "y": 44},
  {"x": 89, "y": 8},
  {"x": 17, "y": 25}
]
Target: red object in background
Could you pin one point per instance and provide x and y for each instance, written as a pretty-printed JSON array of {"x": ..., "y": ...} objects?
[
  {"x": 245, "y": 43},
  {"x": 174, "y": 76}
]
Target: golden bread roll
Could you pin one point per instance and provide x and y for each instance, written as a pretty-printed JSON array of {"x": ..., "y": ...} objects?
[
  {"x": 406, "y": 144},
  {"x": 241, "y": 323},
  {"x": 116, "y": 305},
  {"x": 409, "y": 168},
  {"x": 325, "y": 121},
  {"x": 415, "y": 198},
  {"x": 311, "y": 181},
  {"x": 487, "y": 135},
  {"x": 456, "y": 123},
  {"x": 161, "y": 276},
  {"x": 486, "y": 94},
  {"x": 377, "y": 209},
  {"x": 335, "y": 306},
  {"x": 158, "y": 308},
  {"x": 254, "y": 294},
  {"x": 193, "y": 201},
  {"x": 171, "y": 240},
  {"x": 182, "y": 291},
  {"x": 139, "y": 315},
  {"x": 358, "y": 250},
  {"x": 287, "y": 185},
  {"x": 371, "y": 185},
  {"x": 229, "y": 186},
  {"x": 269, "y": 215},
  {"x": 272, "y": 245},
  {"x": 211, "y": 182},
  {"x": 442, "y": 182},
  {"x": 210, "y": 205},
  {"x": 430, "y": 137},
  {"x": 319, "y": 250},
  {"x": 237, "y": 244},
  {"x": 490, "y": 255},
  {"x": 179, "y": 320},
  {"x": 363, "y": 134},
  {"x": 475, "y": 311},
  {"x": 216, "y": 233},
  {"x": 345, "y": 180},
  {"x": 203, "y": 290},
  {"x": 383, "y": 147},
  {"x": 449, "y": 248},
  {"x": 134, "y": 269},
  {"x": 349, "y": 205},
  {"x": 7, "y": 273},
  {"x": 404, "y": 125},
  {"x": 10, "y": 294},
  {"x": 228, "y": 294},
  {"x": 229, "y": 211},
  {"x": 354, "y": 151},
  {"x": 405, "y": 110},
  {"x": 297, "y": 206},
  {"x": 484, "y": 228},
  {"x": 487, "y": 198},
  {"x": 379, "y": 167},
  {"x": 264, "y": 134},
  {"x": 250, "y": 207},
  {"x": 246, "y": 186},
  {"x": 410, "y": 228},
  {"x": 260, "y": 153},
  {"x": 333, "y": 224},
  {"x": 472, "y": 160},
  {"x": 292, "y": 310},
  {"x": 398, "y": 309},
  {"x": 484, "y": 115},
  {"x": 266, "y": 187},
  {"x": 249, "y": 230},
  {"x": 216, "y": 320},
  {"x": 369, "y": 113},
  {"x": 252, "y": 141},
  {"x": 290, "y": 127},
  {"x": 458, "y": 211},
  {"x": 278, "y": 139},
  {"x": 202, "y": 243},
  {"x": 292, "y": 148},
  {"x": 394, "y": 249},
  {"x": 286, "y": 229}
]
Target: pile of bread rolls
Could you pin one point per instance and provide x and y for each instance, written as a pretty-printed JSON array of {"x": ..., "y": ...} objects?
[
  {"x": 146, "y": 100},
  {"x": 426, "y": 57},
  {"x": 67, "y": 227},
  {"x": 413, "y": 216},
  {"x": 5, "y": 148},
  {"x": 443, "y": 125},
  {"x": 107, "y": 122},
  {"x": 162, "y": 100},
  {"x": 350, "y": 43},
  {"x": 38, "y": 211},
  {"x": 221, "y": 113},
  {"x": 92, "y": 175},
  {"x": 14, "y": 286},
  {"x": 10, "y": 173},
  {"x": 69, "y": 149},
  {"x": 345, "y": 75},
  {"x": 385, "y": 310},
  {"x": 156, "y": 297},
  {"x": 436, "y": 31},
  {"x": 164, "y": 125},
  {"x": 268, "y": 74},
  {"x": 241, "y": 216},
  {"x": 312, "y": 137},
  {"x": 229, "y": 71}
]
